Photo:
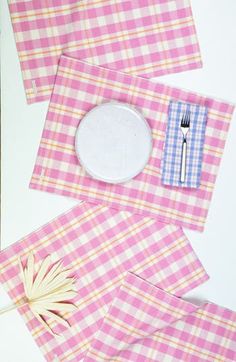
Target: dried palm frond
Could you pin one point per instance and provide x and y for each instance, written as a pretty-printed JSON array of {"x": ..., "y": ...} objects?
[{"x": 47, "y": 291}]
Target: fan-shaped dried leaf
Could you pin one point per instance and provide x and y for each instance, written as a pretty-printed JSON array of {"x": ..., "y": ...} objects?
[
  {"x": 41, "y": 273},
  {"x": 56, "y": 317},
  {"x": 48, "y": 291}
]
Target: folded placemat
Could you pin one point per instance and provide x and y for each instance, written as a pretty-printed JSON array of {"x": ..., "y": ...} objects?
[
  {"x": 195, "y": 137},
  {"x": 147, "y": 324},
  {"x": 149, "y": 38},
  {"x": 79, "y": 87},
  {"x": 99, "y": 245}
]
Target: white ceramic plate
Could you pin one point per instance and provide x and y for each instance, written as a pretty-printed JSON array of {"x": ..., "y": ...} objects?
[{"x": 113, "y": 142}]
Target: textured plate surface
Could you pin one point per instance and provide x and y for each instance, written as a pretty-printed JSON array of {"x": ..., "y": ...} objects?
[{"x": 113, "y": 142}]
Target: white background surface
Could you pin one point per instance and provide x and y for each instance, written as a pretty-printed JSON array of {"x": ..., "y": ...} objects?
[{"x": 24, "y": 210}]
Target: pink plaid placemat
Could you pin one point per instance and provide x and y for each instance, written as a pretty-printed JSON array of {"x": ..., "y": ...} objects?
[
  {"x": 100, "y": 245},
  {"x": 145, "y": 37},
  {"x": 146, "y": 324},
  {"x": 78, "y": 88}
]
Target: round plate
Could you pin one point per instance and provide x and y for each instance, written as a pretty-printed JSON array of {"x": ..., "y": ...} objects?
[{"x": 113, "y": 142}]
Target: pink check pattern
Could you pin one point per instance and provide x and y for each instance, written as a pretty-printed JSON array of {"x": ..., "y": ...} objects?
[
  {"x": 146, "y": 324},
  {"x": 100, "y": 245},
  {"x": 145, "y": 37},
  {"x": 79, "y": 87}
]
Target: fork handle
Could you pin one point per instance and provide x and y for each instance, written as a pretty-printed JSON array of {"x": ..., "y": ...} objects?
[{"x": 183, "y": 161}]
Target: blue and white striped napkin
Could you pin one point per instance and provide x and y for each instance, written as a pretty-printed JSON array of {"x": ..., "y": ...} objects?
[{"x": 171, "y": 162}]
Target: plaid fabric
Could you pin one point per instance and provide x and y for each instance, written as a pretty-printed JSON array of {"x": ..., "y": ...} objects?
[
  {"x": 172, "y": 157},
  {"x": 100, "y": 245},
  {"x": 146, "y": 324},
  {"x": 78, "y": 88},
  {"x": 145, "y": 37}
]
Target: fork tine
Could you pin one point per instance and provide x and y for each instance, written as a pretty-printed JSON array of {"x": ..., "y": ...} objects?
[{"x": 186, "y": 119}]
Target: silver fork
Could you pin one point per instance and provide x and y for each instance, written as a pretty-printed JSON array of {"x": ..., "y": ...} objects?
[{"x": 185, "y": 123}]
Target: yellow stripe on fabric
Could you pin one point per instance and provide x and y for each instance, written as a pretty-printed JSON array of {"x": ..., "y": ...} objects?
[
  {"x": 153, "y": 171},
  {"x": 168, "y": 250},
  {"x": 102, "y": 356},
  {"x": 55, "y": 235},
  {"x": 197, "y": 275},
  {"x": 97, "y": 80},
  {"x": 141, "y": 204},
  {"x": 163, "y": 64},
  {"x": 30, "y": 92},
  {"x": 131, "y": 331},
  {"x": 109, "y": 243},
  {"x": 66, "y": 84},
  {"x": 211, "y": 149},
  {"x": 160, "y": 337},
  {"x": 83, "y": 347},
  {"x": 92, "y": 42},
  {"x": 186, "y": 347},
  {"x": 209, "y": 316},
  {"x": 60, "y": 10},
  {"x": 116, "y": 282},
  {"x": 149, "y": 169},
  {"x": 150, "y": 300}
]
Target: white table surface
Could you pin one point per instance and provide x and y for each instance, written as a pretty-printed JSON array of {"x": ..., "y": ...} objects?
[{"x": 24, "y": 210}]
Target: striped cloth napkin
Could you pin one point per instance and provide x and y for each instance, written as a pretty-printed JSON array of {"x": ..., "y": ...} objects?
[
  {"x": 147, "y": 324},
  {"x": 99, "y": 245},
  {"x": 171, "y": 166},
  {"x": 145, "y": 37},
  {"x": 79, "y": 87}
]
